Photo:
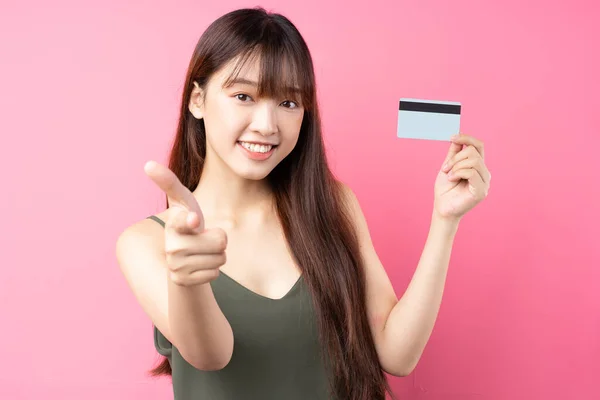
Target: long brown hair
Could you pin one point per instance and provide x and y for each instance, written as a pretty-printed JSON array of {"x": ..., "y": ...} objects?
[{"x": 309, "y": 200}]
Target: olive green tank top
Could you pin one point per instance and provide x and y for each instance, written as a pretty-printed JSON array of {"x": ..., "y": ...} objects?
[{"x": 276, "y": 351}]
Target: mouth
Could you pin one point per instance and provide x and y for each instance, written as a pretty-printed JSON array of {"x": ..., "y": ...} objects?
[
  {"x": 257, "y": 147},
  {"x": 257, "y": 151}
]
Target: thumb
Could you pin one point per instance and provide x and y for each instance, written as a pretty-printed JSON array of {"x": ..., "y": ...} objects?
[
  {"x": 194, "y": 221},
  {"x": 182, "y": 221}
]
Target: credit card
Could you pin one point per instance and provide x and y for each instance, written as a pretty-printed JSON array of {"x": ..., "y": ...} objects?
[{"x": 428, "y": 119}]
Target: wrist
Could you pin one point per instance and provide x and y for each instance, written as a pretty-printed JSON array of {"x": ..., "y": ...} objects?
[{"x": 446, "y": 224}]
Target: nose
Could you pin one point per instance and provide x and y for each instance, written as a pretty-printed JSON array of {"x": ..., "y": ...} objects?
[{"x": 264, "y": 120}]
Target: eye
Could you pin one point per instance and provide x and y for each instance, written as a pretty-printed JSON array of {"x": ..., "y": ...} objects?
[
  {"x": 295, "y": 105},
  {"x": 241, "y": 96}
]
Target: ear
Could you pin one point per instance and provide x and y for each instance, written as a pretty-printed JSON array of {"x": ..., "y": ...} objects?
[{"x": 196, "y": 105}]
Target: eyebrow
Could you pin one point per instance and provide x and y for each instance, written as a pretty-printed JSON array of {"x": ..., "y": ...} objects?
[{"x": 243, "y": 81}]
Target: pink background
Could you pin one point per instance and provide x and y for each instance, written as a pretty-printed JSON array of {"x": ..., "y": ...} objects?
[{"x": 90, "y": 92}]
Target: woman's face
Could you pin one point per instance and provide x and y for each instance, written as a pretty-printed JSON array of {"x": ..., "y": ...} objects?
[{"x": 247, "y": 134}]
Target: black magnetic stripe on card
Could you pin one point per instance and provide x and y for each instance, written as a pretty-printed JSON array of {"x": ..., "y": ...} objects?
[{"x": 429, "y": 107}]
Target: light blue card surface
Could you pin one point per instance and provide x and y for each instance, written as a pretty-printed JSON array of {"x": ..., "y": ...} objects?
[{"x": 428, "y": 119}]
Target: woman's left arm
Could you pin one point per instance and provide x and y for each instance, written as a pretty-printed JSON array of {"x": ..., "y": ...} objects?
[{"x": 401, "y": 329}]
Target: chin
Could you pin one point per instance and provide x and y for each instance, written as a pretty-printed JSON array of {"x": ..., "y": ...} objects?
[
  {"x": 253, "y": 174},
  {"x": 254, "y": 169}
]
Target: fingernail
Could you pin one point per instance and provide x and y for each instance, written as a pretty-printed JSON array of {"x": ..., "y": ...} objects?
[
  {"x": 149, "y": 165},
  {"x": 445, "y": 167}
]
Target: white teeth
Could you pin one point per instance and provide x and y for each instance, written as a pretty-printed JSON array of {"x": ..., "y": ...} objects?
[{"x": 256, "y": 148}]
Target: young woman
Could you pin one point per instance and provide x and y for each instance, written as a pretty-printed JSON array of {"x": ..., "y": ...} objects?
[{"x": 260, "y": 276}]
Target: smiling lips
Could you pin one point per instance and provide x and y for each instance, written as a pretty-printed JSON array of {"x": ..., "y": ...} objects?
[{"x": 256, "y": 151}]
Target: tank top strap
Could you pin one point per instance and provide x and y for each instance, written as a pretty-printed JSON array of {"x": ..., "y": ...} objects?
[{"x": 160, "y": 221}]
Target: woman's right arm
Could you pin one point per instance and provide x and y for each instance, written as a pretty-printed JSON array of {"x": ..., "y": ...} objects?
[{"x": 188, "y": 316}]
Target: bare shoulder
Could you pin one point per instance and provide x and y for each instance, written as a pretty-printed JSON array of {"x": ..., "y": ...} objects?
[
  {"x": 140, "y": 256},
  {"x": 354, "y": 211},
  {"x": 346, "y": 191},
  {"x": 142, "y": 236},
  {"x": 352, "y": 206},
  {"x": 144, "y": 229}
]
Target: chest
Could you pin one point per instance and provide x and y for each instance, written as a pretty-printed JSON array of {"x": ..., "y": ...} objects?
[{"x": 258, "y": 259}]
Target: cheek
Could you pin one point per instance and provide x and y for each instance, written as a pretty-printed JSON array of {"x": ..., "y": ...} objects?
[
  {"x": 227, "y": 117},
  {"x": 288, "y": 144},
  {"x": 292, "y": 129},
  {"x": 224, "y": 123}
]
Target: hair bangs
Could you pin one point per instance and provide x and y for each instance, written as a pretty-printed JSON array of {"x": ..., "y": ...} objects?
[{"x": 280, "y": 73}]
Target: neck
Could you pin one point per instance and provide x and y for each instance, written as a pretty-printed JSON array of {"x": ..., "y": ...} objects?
[{"x": 230, "y": 200}]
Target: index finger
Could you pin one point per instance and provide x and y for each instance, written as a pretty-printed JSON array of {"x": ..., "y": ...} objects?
[
  {"x": 168, "y": 182},
  {"x": 461, "y": 138},
  {"x": 454, "y": 149}
]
